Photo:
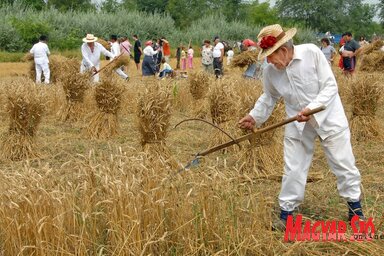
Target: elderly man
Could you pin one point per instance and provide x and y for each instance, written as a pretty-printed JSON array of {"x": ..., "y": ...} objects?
[
  {"x": 40, "y": 52},
  {"x": 91, "y": 51},
  {"x": 302, "y": 77}
]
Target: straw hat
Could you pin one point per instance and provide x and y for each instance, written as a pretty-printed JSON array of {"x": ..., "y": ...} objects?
[
  {"x": 271, "y": 38},
  {"x": 89, "y": 38}
]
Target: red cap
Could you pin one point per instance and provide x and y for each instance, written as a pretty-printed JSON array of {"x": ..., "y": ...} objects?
[{"x": 249, "y": 42}]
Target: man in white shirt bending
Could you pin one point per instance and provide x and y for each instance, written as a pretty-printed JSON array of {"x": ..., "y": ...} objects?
[
  {"x": 300, "y": 74},
  {"x": 218, "y": 55},
  {"x": 40, "y": 52},
  {"x": 91, "y": 51},
  {"x": 115, "y": 49}
]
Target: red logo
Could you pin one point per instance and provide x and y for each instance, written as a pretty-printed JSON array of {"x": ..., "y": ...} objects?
[{"x": 330, "y": 230}]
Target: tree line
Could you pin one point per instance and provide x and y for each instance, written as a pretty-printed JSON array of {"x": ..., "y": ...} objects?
[{"x": 336, "y": 16}]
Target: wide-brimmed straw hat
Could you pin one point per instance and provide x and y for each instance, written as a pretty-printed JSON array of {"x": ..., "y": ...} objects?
[
  {"x": 272, "y": 37},
  {"x": 89, "y": 38}
]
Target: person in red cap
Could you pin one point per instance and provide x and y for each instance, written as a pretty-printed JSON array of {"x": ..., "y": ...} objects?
[
  {"x": 253, "y": 68},
  {"x": 149, "y": 66}
]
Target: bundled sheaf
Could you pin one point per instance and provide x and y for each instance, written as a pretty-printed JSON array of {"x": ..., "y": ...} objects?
[
  {"x": 25, "y": 108},
  {"x": 154, "y": 113},
  {"x": 104, "y": 121},
  {"x": 75, "y": 86},
  {"x": 56, "y": 64},
  {"x": 104, "y": 43},
  {"x": 245, "y": 58},
  {"x": 364, "y": 97},
  {"x": 262, "y": 154},
  {"x": 199, "y": 87},
  {"x": 222, "y": 100}
]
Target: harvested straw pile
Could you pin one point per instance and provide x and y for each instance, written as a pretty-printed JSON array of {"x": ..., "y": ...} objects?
[
  {"x": 374, "y": 46},
  {"x": 104, "y": 121},
  {"x": 365, "y": 94},
  {"x": 56, "y": 63},
  {"x": 199, "y": 87},
  {"x": 372, "y": 62},
  {"x": 74, "y": 86},
  {"x": 244, "y": 59},
  {"x": 154, "y": 112},
  {"x": 104, "y": 43},
  {"x": 222, "y": 100},
  {"x": 261, "y": 155},
  {"x": 25, "y": 109}
]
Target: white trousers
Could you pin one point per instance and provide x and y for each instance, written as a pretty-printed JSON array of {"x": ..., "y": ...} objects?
[
  {"x": 298, "y": 157},
  {"x": 95, "y": 78},
  {"x": 121, "y": 73},
  {"x": 45, "y": 69}
]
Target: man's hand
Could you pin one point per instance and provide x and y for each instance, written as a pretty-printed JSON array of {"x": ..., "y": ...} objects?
[
  {"x": 93, "y": 69},
  {"x": 348, "y": 54},
  {"x": 247, "y": 122},
  {"x": 301, "y": 117}
]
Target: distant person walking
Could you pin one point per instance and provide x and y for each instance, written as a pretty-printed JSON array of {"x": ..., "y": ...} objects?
[
  {"x": 91, "y": 51},
  {"x": 115, "y": 49},
  {"x": 137, "y": 51},
  {"x": 230, "y": 54},
  {"x": 40, "y": 52}
]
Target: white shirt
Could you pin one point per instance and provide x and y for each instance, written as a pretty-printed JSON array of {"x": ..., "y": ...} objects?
[
  {"x": 148, "y": 51},
  {"x": 40, "y": 53},
  {"x": 190, "y": 52},
  {"x": 217, "y": 50},
  {"x": 166, "y": 66},
  {"x": 115, "y": 49},
  {"x": 230, "y": 54},
  {"x": 307, "y": 82},
  {"x": 92, "y": 59}
]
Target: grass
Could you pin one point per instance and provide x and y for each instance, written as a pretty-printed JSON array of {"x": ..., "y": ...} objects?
[
  {"x": 99, "y": 197},
  {"x": 11, "y": 56}
]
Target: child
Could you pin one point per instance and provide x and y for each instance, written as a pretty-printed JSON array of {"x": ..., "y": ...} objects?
[
  {"x": 230, "y": 54},
  {"x": 183, "y": 60},
  {"x": 178, "y": 56},
  {"x": 167, "y": 69},
  {"x": 190, "y": 57}
]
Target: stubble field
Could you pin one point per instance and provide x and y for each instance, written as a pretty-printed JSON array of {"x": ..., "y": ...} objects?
[{"x": 117, "y": 196}]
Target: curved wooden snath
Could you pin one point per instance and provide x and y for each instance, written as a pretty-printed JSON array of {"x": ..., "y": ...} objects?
[{"x": 248, "y": 136}]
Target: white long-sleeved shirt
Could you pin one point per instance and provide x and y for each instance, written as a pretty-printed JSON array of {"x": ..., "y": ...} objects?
[
  {"x": 40, "y": 53},
  {"x": 115, "y": 49},
  {"x": 148, "y": 51},
  {"x": 307, "y": 82},
  {"x": 92, "y": 59}
]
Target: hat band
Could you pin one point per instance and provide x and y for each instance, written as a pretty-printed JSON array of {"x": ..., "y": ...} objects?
[{"x": 270, "y": 41}]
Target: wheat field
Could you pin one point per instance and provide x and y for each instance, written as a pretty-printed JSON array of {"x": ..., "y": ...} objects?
[{"x": 84, "y": 196}]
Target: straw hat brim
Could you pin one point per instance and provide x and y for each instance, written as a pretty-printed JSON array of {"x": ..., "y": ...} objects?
[
  {"x": 289, "y": 34},
  {"x": 85, "y": 40}
]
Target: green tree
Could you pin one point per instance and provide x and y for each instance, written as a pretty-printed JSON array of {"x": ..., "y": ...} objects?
[
  {"x": 262, "y": 14},
  {"x": 152, "y": 5},
  {"x": 65, "y": 5},
  {"x": 381, "y": 11},
  {"x": 327, "y": 15},
  {"x": 110, "y": 5},
  {"x": 184, "y": 12}
]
